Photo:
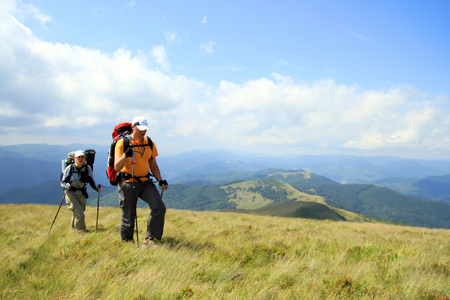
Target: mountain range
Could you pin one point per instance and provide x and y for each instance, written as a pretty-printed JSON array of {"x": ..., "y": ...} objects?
[{"x": 408, "y": 191}]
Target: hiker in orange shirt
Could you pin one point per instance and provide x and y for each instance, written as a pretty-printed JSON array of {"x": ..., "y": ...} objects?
[{"x": 135, "y": 157}]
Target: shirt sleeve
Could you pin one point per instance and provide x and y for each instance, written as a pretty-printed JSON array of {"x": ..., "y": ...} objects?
[
  {"x": 65, "y": 178},
  {"x": 154, "y": 150},
  {"x": 91, "y": 178},
  {"x": 119, "y": 148}
]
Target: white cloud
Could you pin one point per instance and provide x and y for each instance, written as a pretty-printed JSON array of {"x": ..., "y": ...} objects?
[
  {"x": 285, "y": 63},
  {"x": 360, "y": 36},
  {"x": 208, "y": 48},
  {"x": 204, "y": 20},
  {"x": 23, "y": 11},
  {"x": 172, "y": 37},
  {"x": 159, "y": 54},
  {"x": 281, "y": 111},
  {"x": 64, "y": 92},
  {"x": 54, "y": 85}
]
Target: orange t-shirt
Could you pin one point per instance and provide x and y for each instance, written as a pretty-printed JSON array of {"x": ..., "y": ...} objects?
[{"x": 141, "y": 158}]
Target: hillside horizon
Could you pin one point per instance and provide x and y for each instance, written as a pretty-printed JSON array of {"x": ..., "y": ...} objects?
[
  {"x": 194, "y": 176},
  {"x": 340, "y": 168},
  {"x": 333, "y": 200}
]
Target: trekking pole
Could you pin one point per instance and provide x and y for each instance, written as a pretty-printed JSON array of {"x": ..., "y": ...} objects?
[
  {"x": 137, "y": 231},
  {"x": 134, "y": 195},
  {"x": 98, "y": 204},
  {"x": 65, "y": 192}
]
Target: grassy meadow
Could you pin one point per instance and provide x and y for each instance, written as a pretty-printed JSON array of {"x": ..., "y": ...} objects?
[{"x": 217, "y": 255}]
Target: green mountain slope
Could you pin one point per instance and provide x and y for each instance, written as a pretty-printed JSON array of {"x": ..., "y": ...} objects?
[
  {"x": 434, "y": 188},
  {"x": 386, "y": 204},
  {"x": 273, "y": 197},
  {"x": 298, "y": 209},
  {"x": 301, "y": 180},
  {"x": 276, "y": 187},
  {"x": 183, "y": 196},
  {"x": 253, "y": 194},
  {"x": 431, "y": 188},
  {"x": 373, "y": 201},
  {"x": 213, "y": 255}
]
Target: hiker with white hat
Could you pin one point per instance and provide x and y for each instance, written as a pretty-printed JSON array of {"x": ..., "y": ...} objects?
[
  {"x": 74, "y": 180},
  {"x": 135, "y": 162}
]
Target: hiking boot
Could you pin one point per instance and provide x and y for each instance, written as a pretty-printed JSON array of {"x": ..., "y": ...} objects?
[{"x": 150, "y": 243}]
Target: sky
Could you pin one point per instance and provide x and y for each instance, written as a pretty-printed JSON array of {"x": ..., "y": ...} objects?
[{"x": 264, "y": 77}]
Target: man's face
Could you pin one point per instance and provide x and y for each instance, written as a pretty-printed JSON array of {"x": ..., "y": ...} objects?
[{"x": 138, "y": 134}]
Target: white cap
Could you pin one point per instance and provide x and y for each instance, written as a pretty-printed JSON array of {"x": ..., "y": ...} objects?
[
  {"x": 79, "y": 153},
  {"x": 140, "y": 123}
]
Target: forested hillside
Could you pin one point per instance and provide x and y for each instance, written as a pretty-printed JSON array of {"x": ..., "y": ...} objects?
[
  {"x": 386, "y": 204},
  {"x": 373, "y": 201},
  {"x": 434, "y": 188},
  {"x": 274, "y": 186}
]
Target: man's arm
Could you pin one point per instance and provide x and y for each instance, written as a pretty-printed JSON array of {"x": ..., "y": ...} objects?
[
  {"x": 121, "y": 156},
  {"x": 119, "y": 162},
  {"x": 154, "y": 168}
]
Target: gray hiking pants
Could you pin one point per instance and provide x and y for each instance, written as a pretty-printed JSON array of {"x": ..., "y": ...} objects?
[
  {"x": 77, "y": 204},
  {"x": 128, "y": 198}
]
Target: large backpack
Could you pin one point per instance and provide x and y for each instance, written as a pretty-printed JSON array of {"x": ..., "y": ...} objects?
[
  {"x": 90, "y": 157},
  {"x": 121, "y": 130}
]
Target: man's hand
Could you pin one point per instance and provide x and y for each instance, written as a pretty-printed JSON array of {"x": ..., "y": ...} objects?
[
  {"x": 163, "y": 184},
  {"x": 129, "y": 152}
]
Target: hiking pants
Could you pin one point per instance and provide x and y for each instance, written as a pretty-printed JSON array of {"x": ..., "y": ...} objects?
[
  {"x": 128, "y": 199},
  {"x": 77, "y": 204}
]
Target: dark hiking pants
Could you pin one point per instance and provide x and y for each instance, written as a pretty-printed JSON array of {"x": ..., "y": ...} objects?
[{"x": 128, "y": 198}]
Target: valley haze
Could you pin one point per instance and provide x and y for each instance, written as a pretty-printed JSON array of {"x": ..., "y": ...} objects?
[
  {"x": 344, "y": 169},
  {"x": 410, "y": 191}
]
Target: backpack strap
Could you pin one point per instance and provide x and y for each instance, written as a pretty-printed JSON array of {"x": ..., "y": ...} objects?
[
  {"x": 126, "y": 144},
  {"x": 122, "y": 176},
  {"x": 150, "y": 143},
  {"x": 83, "y": 169}
]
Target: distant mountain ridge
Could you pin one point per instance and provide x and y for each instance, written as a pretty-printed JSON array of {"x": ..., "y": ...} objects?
[
  {"x": 31, "y": 164},
  {"x": 373, "y": 201},
  {"x": 199, "y": 181},
  {"x": 272, "y": 196},
  {"x": 19, "y": 172},
  {"x": 194, "y": 164},
  {"x": 434, "y": 187}
]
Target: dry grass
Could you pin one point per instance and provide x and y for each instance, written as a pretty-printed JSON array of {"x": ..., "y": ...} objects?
[{"x": 218, "y": 256}]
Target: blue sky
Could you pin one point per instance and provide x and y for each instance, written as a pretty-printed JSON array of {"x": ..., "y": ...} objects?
[{"x": 272, "y": 77}]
